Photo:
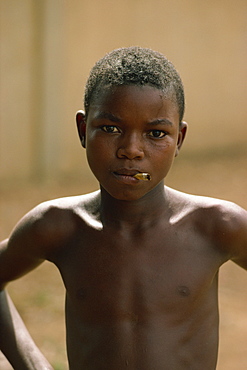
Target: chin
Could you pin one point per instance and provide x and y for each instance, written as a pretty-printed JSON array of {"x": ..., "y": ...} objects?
[{"x": 127, "y": 196}]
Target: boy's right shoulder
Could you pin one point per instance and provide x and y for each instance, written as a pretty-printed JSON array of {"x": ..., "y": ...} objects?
[
  {"x": 61, "y": 210},
  {"x": 53, "y": 222}
]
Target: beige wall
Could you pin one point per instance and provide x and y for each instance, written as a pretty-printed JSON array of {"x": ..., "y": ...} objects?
[{"x": 48, "y": 48}]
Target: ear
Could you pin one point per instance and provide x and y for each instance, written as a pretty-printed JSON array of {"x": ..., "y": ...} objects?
[
  {"x": 81, "y": 127},
  {"x": 181, "y": 136}
]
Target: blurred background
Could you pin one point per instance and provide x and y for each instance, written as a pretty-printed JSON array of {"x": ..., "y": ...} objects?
[{"x": 47, "y": 49}]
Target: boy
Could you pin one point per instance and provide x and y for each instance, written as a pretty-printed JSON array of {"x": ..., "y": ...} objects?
[{"x": 139, "y": 260}]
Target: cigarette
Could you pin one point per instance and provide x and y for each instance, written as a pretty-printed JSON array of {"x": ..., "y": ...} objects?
[{"x": 143, "y": 176}]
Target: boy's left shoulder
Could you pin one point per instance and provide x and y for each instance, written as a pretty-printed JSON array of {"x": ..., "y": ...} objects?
[
  {"x": 222, "y": 211},
  {"x": 223, "y": 222}
]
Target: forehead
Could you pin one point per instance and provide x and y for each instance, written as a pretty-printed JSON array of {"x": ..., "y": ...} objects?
[{"x": 146, "y": 101}]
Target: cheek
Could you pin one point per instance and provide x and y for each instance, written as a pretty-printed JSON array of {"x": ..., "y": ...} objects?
[
  {"x": 99, "y": 153},
  {"x": 98, "y": 144},
  {"x": 164, "y": 151},
  {"x": 162, "y": 158}
]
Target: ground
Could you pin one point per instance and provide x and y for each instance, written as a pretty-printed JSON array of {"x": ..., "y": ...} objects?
[{"x": 39, "y": 296}]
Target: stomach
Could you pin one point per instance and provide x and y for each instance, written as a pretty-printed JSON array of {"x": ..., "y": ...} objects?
[{"x": 152, "y": 344}]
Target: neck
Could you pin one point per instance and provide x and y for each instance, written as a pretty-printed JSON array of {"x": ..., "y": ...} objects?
[{"x": 138, "y": 213}]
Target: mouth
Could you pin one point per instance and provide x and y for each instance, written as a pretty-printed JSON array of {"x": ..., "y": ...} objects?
[
  {"x": 143, "y": 176},
  {"x": 131, "y": 176}
]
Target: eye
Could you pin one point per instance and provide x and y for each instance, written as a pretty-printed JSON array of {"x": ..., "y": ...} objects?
[
  {"x": 109, "y": 129},
  {"x": 157, "y": 134}
]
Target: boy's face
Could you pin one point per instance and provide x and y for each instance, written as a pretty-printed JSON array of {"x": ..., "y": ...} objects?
[{"x": 131, "y": 129}]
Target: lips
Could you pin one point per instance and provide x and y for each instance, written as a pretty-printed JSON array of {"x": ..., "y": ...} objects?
[
  {"x": 126, "y": 172},
  {"x": 126, "y": 176}
]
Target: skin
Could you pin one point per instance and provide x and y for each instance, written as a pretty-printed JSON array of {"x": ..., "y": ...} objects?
[
  {"x": 139, "y": 261},
  {"x": 15, "y": 341}
]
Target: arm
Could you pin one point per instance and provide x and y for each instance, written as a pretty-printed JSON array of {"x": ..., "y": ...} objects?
[
  {"x": 37, "y": 237},
  {"x": 29, "y": 244},
  {"x": 15, "y": 341},
  {"x": 232, "y": 233},
  {"x": 239, "y": 226},
  {"x": 19, "y": 254},
  {"x": 25, "y": 250}
]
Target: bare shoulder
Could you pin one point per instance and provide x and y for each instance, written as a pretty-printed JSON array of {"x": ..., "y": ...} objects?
[
  {"x": 198, "y": 202},
  {"x": 61, "y": 208},
  {"x": 53, "y": 222},
  {"x": 43, "y": 233},
  {"x": 223, "y": 221}
]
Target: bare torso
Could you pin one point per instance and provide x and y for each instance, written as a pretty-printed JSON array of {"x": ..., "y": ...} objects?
[{"x": 144, "y": 298}]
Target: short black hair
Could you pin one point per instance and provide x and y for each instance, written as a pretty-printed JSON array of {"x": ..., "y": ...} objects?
[{"x": 135, "y": 66}]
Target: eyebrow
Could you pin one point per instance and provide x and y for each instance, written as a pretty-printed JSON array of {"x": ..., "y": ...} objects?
[
  {"x": 161, "y": 121},
  {"x": 109, "y": 116}
]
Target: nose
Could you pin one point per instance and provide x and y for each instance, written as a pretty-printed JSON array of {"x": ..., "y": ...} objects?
[{"x": 131, "y": 147}]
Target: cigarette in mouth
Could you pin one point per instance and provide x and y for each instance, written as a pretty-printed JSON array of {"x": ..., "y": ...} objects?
[{"x": 143, "y": 176}]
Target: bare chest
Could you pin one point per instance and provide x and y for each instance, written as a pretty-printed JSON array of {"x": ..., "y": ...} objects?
[{"x": 140, "y": 277}]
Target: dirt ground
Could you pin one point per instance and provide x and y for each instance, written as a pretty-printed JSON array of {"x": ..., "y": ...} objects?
[{"x": 39, "y": 296}]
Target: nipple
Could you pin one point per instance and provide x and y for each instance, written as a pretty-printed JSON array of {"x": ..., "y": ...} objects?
[{"x": 143, "y": 176}]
